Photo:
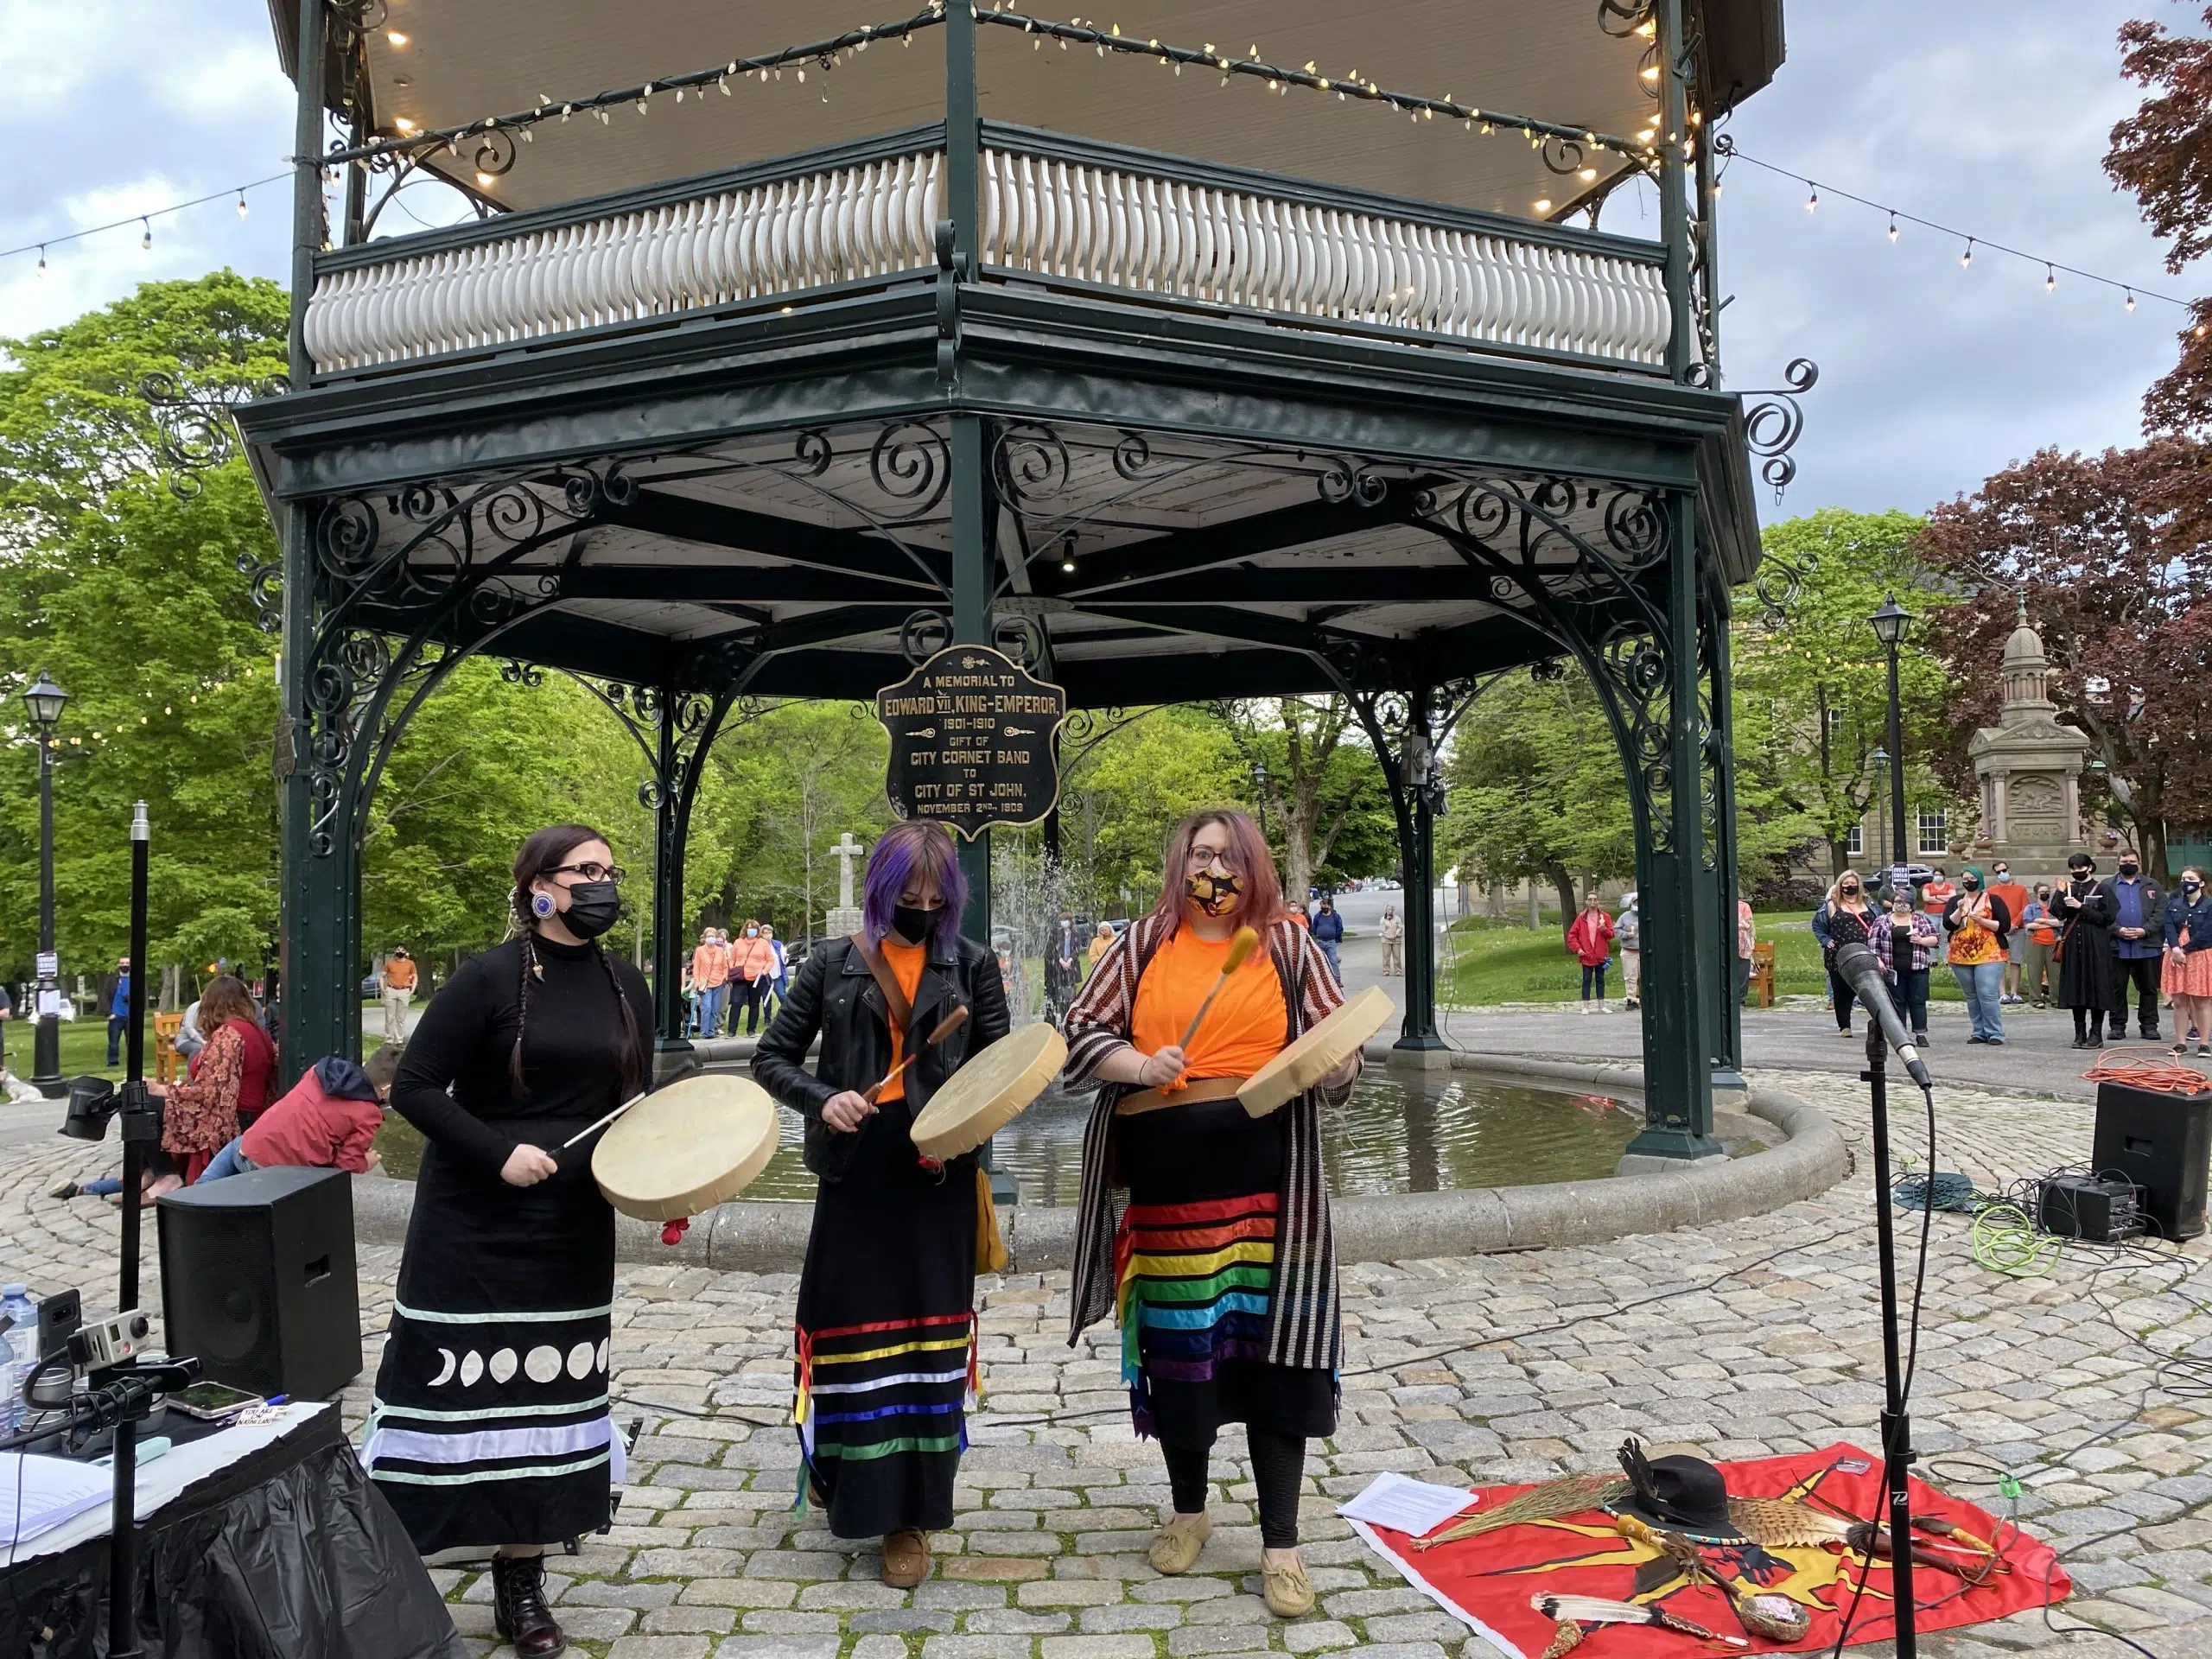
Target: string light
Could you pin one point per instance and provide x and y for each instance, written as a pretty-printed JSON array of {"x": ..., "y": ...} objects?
[
  {"x": 1813, "y": 200},
  {"x": 237, "y": 192},
  {"x": 242, "y": 204},
  {"x": 1895, "y": 217},
  {"x": 147, "y": 240},
  {"x": 42, "y": 260},
  {"x": 395, "y": 37}
]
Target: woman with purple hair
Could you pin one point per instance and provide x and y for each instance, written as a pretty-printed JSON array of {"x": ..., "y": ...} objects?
[{"x": 886, "y": 1300}]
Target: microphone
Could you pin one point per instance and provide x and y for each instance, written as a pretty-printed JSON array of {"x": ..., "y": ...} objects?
[{"x": 1861, "y": 969}]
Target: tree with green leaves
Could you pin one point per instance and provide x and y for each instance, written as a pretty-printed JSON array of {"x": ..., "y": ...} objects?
[
  {"x": 1321, "y": 787},
  {"x": 1812, "y": 681},
  {"x": 1123, "y": 791}
]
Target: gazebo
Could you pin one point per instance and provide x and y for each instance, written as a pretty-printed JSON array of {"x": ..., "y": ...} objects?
[{"x": 1180, "y": 369}]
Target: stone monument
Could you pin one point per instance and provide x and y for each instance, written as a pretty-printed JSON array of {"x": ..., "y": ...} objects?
[
  {"x": 845, "y": 921},
  {"x": 2028, "y": 766}
]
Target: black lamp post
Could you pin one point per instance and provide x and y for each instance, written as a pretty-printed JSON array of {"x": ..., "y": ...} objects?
[
  {"x": 45, "y": 700},
  {"x": 1260, "y": 789},
  {"x": 1890, "y": 624},
  {"x": 1881, "y": 759}
]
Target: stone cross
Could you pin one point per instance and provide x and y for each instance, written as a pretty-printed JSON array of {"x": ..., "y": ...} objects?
[{"x": 846, "y": 851}]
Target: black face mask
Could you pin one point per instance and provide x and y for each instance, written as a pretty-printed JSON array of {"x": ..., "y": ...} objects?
[
  {"x": 2192, "y": 888},
  {"x": 593, "y": 906},
  {"x": 913, "y": 923},
  {"x": 2131, "y": 871}
]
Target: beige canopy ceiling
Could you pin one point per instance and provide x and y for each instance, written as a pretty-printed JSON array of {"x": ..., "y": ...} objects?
[{"x": 1547, "y": 59}]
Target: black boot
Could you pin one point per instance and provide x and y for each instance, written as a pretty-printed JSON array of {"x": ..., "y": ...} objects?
[{"x": 518, "y": 1609}]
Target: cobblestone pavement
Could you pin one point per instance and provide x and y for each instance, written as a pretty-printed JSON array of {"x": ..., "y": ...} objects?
[{"x": 1743, "y": 1339}]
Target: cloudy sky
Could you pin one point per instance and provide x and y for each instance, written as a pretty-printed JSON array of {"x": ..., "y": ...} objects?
[{"x": 1991, "y": 118}]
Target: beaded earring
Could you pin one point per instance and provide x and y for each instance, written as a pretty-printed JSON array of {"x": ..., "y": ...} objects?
[{"x": 542, "y": 904}]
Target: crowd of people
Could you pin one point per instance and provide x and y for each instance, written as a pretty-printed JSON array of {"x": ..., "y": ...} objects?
[
  {"x": 2089, "y": 944},
  {"x": 725, "y": 977}
]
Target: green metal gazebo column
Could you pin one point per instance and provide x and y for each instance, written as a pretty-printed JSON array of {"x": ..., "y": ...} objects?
[
  {"x": 319, "y": 896},
  {"x": 671, "y": 835},
  {"x": 1680, "y": 935},
  {"x": 971, "y": 558},
  {"x": 1720, "y": 762},
  {"x": 1673, "y": 210},
  {"x": 1417, "y": 852}
]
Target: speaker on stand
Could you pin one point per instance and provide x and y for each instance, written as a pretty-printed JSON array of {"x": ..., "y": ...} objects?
[
  {"x": 257, "y": 1280},
  {"x": 2162, "y": 1143}
]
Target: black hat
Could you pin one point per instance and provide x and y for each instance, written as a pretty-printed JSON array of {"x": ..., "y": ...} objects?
[{"x": 1680, "y": 1494}]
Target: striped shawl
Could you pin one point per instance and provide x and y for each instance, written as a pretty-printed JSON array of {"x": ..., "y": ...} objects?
[{"x": 1305, "y": 1326}]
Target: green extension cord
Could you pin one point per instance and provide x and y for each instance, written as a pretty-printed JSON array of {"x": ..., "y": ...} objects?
[{"x": 2005, "y": 1241}]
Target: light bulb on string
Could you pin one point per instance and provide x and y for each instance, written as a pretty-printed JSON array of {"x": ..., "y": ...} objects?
[
  {"x": 2131, "y": 298},
  {"x": 147, "y": 240},
  {"x": 2050, "y": 279},
  {"x": 42, "y": 260},
  {"x": 1813, "y": 201},
  {"x": 1966, "y": 259},
  {"x": 241, "y": 204},
  {"x": 1894, "y": 229}
]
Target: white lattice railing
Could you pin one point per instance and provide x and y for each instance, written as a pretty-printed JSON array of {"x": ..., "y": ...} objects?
[
  {"x": 843, "y": 224},
  {"x": 1078, "y": 221},
  {"x": 1127, "y": 229}
]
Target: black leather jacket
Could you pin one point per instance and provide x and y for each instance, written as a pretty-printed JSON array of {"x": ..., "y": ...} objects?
[{"x": 836, "y": 995}]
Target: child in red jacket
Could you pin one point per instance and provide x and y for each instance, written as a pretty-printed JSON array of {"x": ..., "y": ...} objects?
[
  {"x": 1590, "y": 939},
  {"x": 328, "y": 1121}
]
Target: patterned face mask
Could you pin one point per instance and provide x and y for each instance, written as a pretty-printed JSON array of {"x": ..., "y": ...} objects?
[{"x": 1214, "y": 890}]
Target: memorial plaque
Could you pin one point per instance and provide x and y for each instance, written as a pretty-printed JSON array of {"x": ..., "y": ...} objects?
[{"x": 971, "y": 741}]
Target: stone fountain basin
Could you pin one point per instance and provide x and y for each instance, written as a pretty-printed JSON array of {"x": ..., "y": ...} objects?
[{"x": 1808, "y": 1159}]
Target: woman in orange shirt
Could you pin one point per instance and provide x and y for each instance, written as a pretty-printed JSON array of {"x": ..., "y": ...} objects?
[
  {"x": 1223, "y": 1267},
  {"x": 887, "y": 1299}
]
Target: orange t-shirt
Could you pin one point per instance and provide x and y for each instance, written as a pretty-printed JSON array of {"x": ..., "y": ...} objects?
[
  {"x": 905, "y": 962},
  {"x": 398, "y": 973},
  {"x": 1246, "y": 1027}
]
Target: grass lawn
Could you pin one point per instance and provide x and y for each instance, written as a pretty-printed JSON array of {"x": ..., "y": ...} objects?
[
  {"x": 84, "y": 1045},
  {"x": 1489, "y": 961}
]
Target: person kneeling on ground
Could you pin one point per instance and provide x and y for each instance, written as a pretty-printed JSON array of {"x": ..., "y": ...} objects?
[{"x": 329, "y": 1119}]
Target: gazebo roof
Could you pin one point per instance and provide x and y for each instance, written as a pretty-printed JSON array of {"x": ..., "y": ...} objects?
[{"x": 1576, "y": 62}]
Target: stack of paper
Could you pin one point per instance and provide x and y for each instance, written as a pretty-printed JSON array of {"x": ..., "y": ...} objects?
[
  {"x": 38, "y": 1494},
  {"x": 1404, "y": 1505}
]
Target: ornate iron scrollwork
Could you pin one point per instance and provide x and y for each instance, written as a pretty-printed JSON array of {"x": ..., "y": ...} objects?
[
  {"x": 1772, "y": 428},
  {"x": 194, "y": 431},
  {"x": 1578, "y": 561}
]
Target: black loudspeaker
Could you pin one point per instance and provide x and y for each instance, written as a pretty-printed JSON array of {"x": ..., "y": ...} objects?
[
  {"x": 257, "y": 1280},
  {"x": 2163, "y": 1144}
]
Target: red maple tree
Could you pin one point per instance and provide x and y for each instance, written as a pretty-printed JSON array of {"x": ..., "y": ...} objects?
[
  {"x": 2110, "y": 555},
  {"x": 2162, "y": 155}
]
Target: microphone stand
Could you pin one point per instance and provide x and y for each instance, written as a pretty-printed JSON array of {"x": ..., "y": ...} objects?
[
  {"x": 141, "y": 1122},
  {"x": 1896, "y": 1423}
]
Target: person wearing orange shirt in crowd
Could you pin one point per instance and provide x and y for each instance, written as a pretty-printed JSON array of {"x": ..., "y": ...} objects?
[
  {"x": 710, "y": 980},
  {"x": 2014, "y": 896},
  {"x": 752, "y": 972},
  {"x": 1936, "y": 897},
  {"x": 397, "y": 978},
  {"x": 2041, "y": 927}
]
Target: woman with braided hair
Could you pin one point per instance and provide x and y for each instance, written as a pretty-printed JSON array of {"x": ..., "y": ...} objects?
[{"x": 489, "y": 1431}]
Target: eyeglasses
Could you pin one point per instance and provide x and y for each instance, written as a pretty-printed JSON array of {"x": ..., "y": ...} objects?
[{"x": 593, "y": 871}]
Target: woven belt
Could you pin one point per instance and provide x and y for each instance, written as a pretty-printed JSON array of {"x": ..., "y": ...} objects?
[{"x": 1203, "y": 1089}]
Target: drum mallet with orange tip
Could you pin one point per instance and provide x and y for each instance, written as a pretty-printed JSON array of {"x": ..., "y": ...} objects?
[
  {"x": 1241, "y": 946},
  {"x": 944, "y": 1029}
]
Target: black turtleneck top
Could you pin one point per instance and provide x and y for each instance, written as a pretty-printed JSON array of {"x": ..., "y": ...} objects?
[{"x": 453, "y": 1083}]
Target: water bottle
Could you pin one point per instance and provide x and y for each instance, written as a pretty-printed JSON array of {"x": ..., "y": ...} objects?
[{"x": 22, "y": 1356}]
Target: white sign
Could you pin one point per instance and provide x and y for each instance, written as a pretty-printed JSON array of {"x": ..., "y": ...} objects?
[
  {"x": 53, "y": 1003},
  {"x": 49, "y": 965}
]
